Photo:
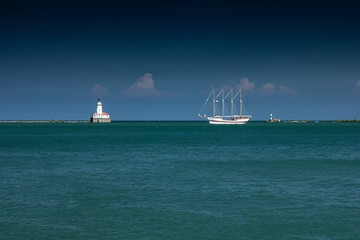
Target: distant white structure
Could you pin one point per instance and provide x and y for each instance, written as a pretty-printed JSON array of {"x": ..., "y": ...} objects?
[
  {"x": 100, "y": 116},
  {"x": 271, "y": 119}
]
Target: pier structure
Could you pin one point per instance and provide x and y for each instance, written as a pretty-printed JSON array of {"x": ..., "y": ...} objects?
[{"x": 271, "y": 119}]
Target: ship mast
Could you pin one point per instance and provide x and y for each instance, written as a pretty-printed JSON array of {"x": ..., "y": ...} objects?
[
  {"x": 240, "y": 104},
  {"x": 223, "y": 102},
  {"x": 232, "y": 103},
  {"x": 213, "y": 102}
]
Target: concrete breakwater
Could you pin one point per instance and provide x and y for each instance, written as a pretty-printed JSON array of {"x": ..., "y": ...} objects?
[{"x": 42, "y": 121}]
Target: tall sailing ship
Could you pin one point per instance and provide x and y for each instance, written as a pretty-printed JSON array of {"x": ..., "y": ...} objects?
[{"x": 225, "y": 117}]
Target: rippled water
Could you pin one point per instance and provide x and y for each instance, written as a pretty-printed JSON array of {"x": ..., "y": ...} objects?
[{"x": 180, "y": 180}]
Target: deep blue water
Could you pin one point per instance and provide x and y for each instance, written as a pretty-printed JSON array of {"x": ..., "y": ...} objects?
[{"x": 179, "y": 180}]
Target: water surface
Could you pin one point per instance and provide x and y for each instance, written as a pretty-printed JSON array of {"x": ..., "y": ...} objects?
[{"x": 179, "y": 180}]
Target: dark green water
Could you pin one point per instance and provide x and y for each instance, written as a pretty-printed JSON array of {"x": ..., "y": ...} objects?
[{"x": 179, "y": 180}]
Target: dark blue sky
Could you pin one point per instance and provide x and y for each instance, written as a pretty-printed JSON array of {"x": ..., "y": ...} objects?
[{"x": 159, "y": 60}]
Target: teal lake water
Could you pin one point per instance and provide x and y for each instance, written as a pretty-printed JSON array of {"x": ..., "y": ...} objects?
[{"x": 179, "y": 180}]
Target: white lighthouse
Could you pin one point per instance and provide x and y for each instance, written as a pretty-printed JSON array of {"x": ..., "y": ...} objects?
[{"x": 100, "y": 116}]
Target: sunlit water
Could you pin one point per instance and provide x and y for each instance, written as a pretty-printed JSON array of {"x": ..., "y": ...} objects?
[{"x": 179, "y": 180}]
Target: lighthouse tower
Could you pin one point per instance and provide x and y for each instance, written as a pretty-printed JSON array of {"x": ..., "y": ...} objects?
[{"x": 100, "y": 116}]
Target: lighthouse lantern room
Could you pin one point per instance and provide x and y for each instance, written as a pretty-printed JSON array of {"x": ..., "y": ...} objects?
[{"x": 100, "y": 116}]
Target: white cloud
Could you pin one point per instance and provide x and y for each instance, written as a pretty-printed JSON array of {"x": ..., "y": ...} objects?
[
  {"x": 271, "y": 89},
  {"x": 287, "y": 90},
  {"x": 143, "y": 87},
  {"x": 98, "y": 89},
  {"x": 245, "y": 84},
  {"x": 357, "y": 87},
  {"x": 267, "y": 89}
]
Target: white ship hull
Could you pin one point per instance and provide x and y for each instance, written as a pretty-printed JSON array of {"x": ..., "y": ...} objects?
[{"x": 242, "y": 120}]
